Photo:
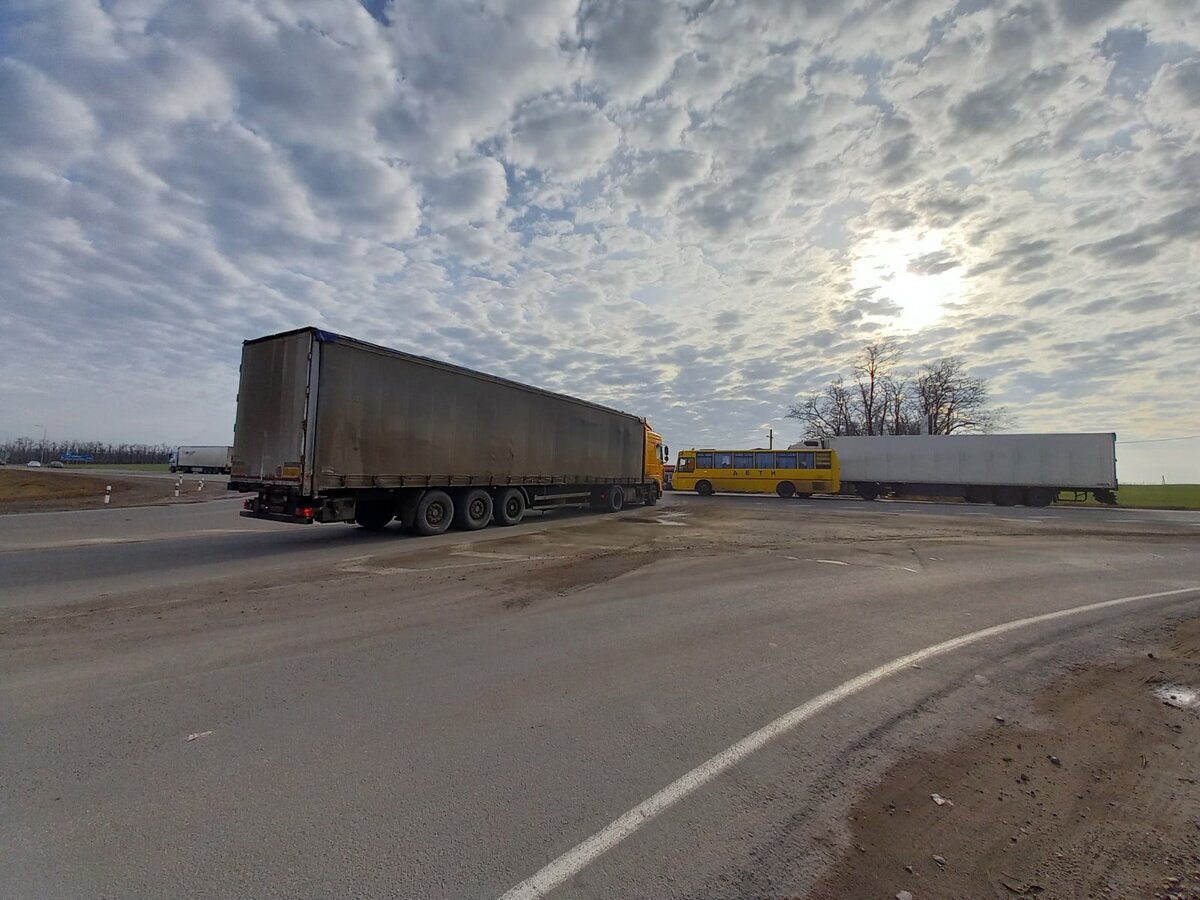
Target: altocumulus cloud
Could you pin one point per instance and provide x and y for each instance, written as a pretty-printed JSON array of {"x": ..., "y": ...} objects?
[{"x": 691, "y": 210}]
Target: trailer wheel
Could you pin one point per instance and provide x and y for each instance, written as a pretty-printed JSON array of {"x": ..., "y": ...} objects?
[
  {"x": 785, "y": 489},
  {"x": 704, "y": 489},
  {"x": 1040, "y": 496},
  {"x": 474, "y": 510},
  {"x": 868, "y": 492},
  {"x": 435, "y": 512},
  {"x": 978, "y": 494},
  {"x": 509, "y": 508},
  {"x": 1009, "y": 496},
  {"x": 614, "y": 499}
]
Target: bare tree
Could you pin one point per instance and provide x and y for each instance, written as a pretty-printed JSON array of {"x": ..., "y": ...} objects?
[
  {"x": 871, "y": 374},
  {"x": 829, "y": 412},
  {"x": 942, "y": 396},
  {"x": 950, "y": 400}
]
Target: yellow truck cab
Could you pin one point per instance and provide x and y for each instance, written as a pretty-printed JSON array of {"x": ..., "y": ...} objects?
[{"x": 655, "y": 458}]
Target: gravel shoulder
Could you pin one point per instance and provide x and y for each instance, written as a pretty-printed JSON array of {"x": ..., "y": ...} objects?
[{"x": 1097, "y": 795}]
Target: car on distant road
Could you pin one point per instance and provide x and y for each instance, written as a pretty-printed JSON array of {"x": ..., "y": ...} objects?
[
  {"x": 33, "y": 464},
  {"x": 57, "y": 464}
]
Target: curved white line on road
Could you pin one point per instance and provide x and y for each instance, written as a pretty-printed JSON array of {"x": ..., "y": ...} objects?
[{"x": 581, "y": 855}]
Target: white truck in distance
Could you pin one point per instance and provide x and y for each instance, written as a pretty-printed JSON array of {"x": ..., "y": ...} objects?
[
  {"x": 209, "y": 460},
  {"x": 1005, "y": 469}
]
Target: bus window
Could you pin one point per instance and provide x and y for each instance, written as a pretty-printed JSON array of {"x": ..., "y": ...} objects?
[
  {"x": 704, "y": 460},
  {"x": 785, "y": 460},
  {"x": 764, "y": 460},
  {"x": 806, "y": 460},
  {"x": 724, "y": 460},
  {"x": 743, "y": 460},
  {"x": 686, "y": 464},
  {"x": 824, "y": 460}
]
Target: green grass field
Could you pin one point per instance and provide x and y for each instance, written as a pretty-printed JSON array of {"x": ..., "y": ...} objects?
[{"x": 1158, "y": 496}]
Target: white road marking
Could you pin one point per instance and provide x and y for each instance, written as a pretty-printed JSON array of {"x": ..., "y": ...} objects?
[
  {"x": 143, "y": 539},
  {"x": 581, "y": 855},
  {"x": 832, "y": 562},
  {"x": 356, "y": 565},
  {"x": 485, "y": 554}
]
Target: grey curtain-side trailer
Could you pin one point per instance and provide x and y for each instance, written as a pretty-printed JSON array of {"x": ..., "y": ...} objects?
[{"x": 332, "y": 429}]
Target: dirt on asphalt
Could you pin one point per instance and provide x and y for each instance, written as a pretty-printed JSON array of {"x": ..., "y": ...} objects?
[
  {"x": 31, "y": 490},
  {"x": 1097, "y": 797}
]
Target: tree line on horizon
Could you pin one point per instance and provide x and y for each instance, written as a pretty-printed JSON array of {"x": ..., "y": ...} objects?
[
  {"x": 24, "y": 449},
  {"x": 882, "y": 397}
]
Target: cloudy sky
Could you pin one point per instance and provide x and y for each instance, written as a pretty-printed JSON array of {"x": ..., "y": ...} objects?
[{"x": 694, "y": 210}]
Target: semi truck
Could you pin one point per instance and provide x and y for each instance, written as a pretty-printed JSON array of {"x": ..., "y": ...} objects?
[
  {"x": 1005, "y": 469},
  {"x": 333, "y": 429},
  {"x": 207, "y": 460}
]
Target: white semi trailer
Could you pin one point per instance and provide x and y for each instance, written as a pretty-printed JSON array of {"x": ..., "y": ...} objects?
[
  {"x": 1005, "y": 469},
  {"x": 207, "y": 460}
]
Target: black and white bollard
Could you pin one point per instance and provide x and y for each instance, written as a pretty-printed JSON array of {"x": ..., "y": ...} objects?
[
  {"x": 107, "y": 494},
  {"x": 201, "y": 485},
  {"x": 178, "y": 485}
]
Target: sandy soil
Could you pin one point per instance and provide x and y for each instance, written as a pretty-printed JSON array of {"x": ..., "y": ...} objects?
[{"x": 1097, "y": 797}]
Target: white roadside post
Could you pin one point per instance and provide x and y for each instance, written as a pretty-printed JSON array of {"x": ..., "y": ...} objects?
[
  {"x": 178, "y": 485},
  {"x": 107, "y": 494},
  {"x": 201, "y": 485}
]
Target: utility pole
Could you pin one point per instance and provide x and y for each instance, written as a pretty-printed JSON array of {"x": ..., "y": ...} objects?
[
  {"x": 42, "y": 452},
  {"x": 771, "y": 439}
]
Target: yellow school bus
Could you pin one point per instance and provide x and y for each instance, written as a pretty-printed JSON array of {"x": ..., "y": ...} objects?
[{"x": 788, "y": 473}]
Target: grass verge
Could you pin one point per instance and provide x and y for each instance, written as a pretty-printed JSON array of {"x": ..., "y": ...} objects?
[
  {"x": 1158, "y": 496},
  {"x": 22, "y": 485}
]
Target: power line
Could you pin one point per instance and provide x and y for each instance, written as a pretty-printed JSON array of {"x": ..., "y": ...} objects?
[{"x": 1186, "y": 437}]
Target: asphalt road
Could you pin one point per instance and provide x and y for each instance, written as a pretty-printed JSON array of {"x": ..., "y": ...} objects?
[{"x": 379, "y": 715}]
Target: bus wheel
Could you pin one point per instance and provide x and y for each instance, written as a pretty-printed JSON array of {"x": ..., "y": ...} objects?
[
  {"x": 435, "y": 511},
  {"x": 473, "y": 510},
  {"x": 785, "y": 489},
  {"x": 704, "y": 489},
  {"x": 509, "y": 508}
]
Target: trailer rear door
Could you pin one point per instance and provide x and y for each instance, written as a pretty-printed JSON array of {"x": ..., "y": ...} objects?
[{"x": 270, "y": 440}]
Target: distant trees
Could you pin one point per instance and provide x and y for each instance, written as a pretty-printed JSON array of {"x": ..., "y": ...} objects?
[
  {"x": 881, "y": 397},
  {"x": 22, "y": 450}
]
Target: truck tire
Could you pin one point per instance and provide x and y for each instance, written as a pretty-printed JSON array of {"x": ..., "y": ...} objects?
[
  {"x": 473, "y": 510},
  {"x": 1009, "y": 496},
  {"x": 1040, "y": 496},
  {"x": 614, "y": 499},
  {"x": 509, "y": 507},
  {"x": 978, "y": 494},
  {"x": 868, "y": 492},
  {"x": 704, "y": 489},
  {"x": 652, "y": 494},
  {"x": 373, "y": 516},
  {"x": 785, "y": 489},
  {"x": 435, "y": 512}
]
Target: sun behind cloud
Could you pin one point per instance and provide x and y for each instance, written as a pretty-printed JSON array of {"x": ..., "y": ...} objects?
[{"x": 913, "y": 273}]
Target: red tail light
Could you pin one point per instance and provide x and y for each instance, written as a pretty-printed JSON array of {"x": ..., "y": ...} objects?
[{"x": 308, "y": 512}]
